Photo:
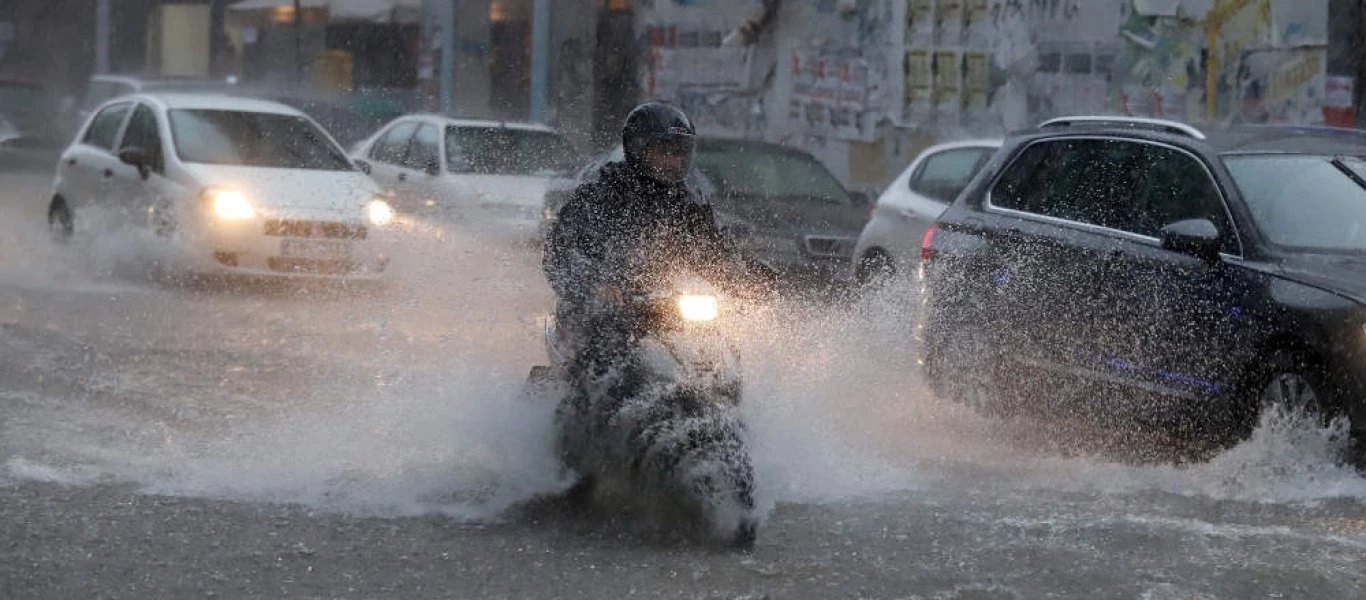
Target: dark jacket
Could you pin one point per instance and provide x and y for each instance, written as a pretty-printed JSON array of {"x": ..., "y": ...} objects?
[{"x": 630, "y": 231}]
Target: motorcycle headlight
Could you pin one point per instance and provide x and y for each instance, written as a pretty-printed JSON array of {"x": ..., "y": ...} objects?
[
  {"x": 698, "y": 308},
  {"x": 379, "y": 212},
  {"x": 229, "y": 205}
]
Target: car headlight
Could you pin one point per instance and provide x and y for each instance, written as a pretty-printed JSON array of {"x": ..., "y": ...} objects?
[
  {"x": 698, "y": 308},
  {"x": 379, "y": 212},
  {"x": 229, "y": 205}
]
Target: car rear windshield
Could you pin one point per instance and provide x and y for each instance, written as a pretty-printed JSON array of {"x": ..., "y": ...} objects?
[
  {"x": 508, "y": 151},
  {"x": 1315, "y": 203},
  {"x": 254, "y": 139},
  {"x": 757, "y": 172}
]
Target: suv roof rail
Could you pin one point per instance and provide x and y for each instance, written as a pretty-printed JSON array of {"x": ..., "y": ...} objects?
[{"x": 1176, "y": 127}]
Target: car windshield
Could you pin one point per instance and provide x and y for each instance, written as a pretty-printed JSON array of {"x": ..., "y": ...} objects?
[
  {"x": 254, "y": 139},
  {"x": 19, "y": 98},
  {"x": 508, "y": 151},
  {"x": 758, "y": 172},
  {"x": 1305, "y": 202}
]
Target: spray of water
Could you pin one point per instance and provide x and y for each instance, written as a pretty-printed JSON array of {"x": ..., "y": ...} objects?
[{"x": 432, "y": 418}]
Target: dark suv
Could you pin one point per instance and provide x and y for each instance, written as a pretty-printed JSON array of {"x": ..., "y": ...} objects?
[{"x": 1212, "y": 274}]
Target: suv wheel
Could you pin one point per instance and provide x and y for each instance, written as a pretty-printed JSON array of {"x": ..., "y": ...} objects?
[{"x": 1293, "y": 381}]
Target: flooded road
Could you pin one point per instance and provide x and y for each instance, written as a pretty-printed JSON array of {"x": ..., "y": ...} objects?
[{"x": 169, "y": 440}]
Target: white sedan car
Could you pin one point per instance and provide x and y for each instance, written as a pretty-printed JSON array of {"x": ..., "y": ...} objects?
[
  {"x": 245, "y": 185},
  {"x": 487, "y": 174},
  {"x": 890, "y": 242}
]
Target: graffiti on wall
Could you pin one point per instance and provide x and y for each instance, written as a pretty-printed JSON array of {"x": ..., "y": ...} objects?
[
  {"x": 1005, "y": 64},
  {"x": 1260, "y": 74}
]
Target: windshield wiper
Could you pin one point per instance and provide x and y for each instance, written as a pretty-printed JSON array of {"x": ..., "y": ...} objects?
[{"x": 1352, "y": 171}]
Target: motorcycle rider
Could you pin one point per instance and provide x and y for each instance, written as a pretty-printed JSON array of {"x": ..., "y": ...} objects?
[{"x": 637, "y": 219}]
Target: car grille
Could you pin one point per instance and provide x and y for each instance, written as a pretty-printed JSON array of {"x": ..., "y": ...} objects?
[
  {"x": 309, "y": 266},
  {"x": 830, "y": 246},
  {"x": 315, "y": 229}
]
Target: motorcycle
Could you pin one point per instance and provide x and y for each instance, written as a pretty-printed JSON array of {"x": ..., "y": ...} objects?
[{"x": 663, "y": 419}]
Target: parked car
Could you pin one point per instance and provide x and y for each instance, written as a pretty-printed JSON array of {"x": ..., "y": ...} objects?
[
  {"x": 781, "y": 207},
  {"x": 1220, "y": 273},
  {"x": 250, "y": 186},
  {"x": 486, "y": 173},
  {"x": 890, "y": 242}
]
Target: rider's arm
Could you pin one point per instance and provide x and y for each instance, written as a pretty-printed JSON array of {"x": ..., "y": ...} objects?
[{"x": 572, "y": 259}]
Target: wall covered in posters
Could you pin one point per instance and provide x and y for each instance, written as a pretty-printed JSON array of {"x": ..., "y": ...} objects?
[{"x": 831, "y": 75}]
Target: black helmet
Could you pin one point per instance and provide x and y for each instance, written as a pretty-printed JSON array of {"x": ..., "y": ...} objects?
[{"x": 658, "y": 141}]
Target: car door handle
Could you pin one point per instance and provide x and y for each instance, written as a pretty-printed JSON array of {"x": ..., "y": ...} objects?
[{"x": 71, "y": 161}]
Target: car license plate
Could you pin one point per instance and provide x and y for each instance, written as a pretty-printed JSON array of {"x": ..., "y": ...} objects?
[{"x": 320, "y": 249}]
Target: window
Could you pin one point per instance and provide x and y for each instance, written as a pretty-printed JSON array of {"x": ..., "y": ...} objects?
[
  {"x": 1128, "y": 186},
  {"x": 1084, "y": 180},
  {"x": 424, "y": 150},
  {"x": 105, "y": 127},
  {"x": 1303, "y": 201},
  {"x": 392, "y": 148},
  {"x": 944, "y": 175},
  {"x": 1176, "y": 187},
  {"x": 142, "y": 133},
  {"x": 508, "y": 151},
  {"x": 254, "y": 139},
  {"x": 767, "y": 171}
]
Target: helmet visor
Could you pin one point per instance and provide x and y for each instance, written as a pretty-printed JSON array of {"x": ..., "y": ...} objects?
[{"x": 670, "y": 157}]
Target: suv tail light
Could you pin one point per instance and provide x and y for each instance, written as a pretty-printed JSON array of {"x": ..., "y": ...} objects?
[{"x": 926, "y": 251}]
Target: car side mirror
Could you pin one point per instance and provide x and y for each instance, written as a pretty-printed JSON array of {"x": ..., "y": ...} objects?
[
  {"x": 432, "y": 169},
  {"x": 363, "y": 165},
  {"x": 136, "y": 157},
  {"x": 1197, "y": 237}
]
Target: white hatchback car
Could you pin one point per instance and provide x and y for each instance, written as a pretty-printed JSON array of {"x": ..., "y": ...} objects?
[
  {"x": 247, "y": 185},
  {"x": 488, "y": 174},
  {"x": 890, "y": 242}
]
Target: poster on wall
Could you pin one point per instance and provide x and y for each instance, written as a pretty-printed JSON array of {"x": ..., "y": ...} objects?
[
  {"x": 976, "y": 23},
  {"x": 976, "y": 81},
  {"x": 947, "y": 79},
  {"x": 1283, "y": 86},
  {"x": 919, "y": 83},
  {"x": 948, "y": 22},
  {"x": 920, "y": 23},
  {"x": 829, "y": 95}
]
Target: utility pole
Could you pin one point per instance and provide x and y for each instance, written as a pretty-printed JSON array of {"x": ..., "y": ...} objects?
[
  {"x": 1359, "y": 64},
  {"x": 447, "y": 55},
  {"x": 102, "y": 35},
  {"x": 298, "y": 39},
  {"x": 540, "y": 59}
]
